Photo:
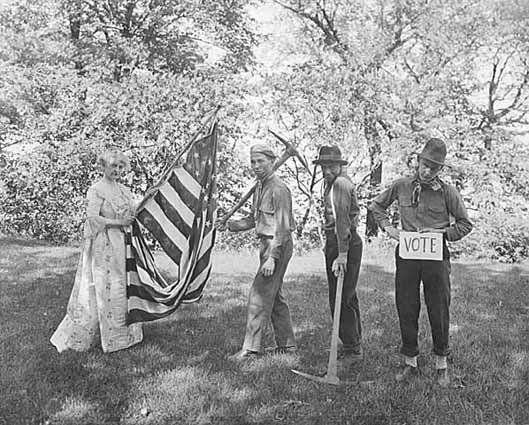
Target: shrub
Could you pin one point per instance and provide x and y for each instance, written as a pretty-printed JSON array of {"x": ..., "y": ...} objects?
[{"x": 43, "y": 192}]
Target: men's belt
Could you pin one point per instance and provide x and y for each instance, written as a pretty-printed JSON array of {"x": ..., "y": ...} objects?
[
  {"x": 332, "y": 232},
  {"x": 260, "y": 236}
]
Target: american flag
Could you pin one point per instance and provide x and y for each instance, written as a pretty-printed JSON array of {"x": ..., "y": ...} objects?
[{"x": 180, "y": 216}]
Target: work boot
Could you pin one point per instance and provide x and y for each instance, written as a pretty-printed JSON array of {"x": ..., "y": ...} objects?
[
  {"x": 405, "y": 373},
  {"x": 243, "y": 355},
  {"x": 347, "y": 357}
]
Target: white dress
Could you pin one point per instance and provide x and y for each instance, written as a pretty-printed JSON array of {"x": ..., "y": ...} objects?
[{"x": 98, "y": 302}]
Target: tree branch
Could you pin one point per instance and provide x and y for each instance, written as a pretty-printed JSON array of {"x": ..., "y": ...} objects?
[
  {"x": 411, "y": 71},
  {"x": 516, "y": 101}
]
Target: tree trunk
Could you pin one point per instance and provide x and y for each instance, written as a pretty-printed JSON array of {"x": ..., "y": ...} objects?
[
  {"x": 487, "y": 143},
  {"x": 75, "y": 33},
  {"x": 375, "y": 176}
]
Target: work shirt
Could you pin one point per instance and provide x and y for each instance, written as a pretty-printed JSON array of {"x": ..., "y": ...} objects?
[
  {"x": 340, "y": 210},
  {"x": 423, "y": 205},
  {"x": 273, "y": 213}
]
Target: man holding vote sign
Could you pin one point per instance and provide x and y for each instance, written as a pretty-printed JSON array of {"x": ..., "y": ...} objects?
[
  {"x": 422, "y": 246},
  {"x": 432, "y": 212}
]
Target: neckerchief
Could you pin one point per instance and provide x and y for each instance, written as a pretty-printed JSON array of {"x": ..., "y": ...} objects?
[{"x": 418, "y": 185}]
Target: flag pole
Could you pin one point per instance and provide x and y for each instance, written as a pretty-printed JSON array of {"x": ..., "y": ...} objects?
[{"x": 209, "y": 120}]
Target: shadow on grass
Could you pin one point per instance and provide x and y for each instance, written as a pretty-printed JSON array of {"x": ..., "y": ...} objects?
[
  {"x": 180, "y": 373},
  {"x": 16, "y": 242}
]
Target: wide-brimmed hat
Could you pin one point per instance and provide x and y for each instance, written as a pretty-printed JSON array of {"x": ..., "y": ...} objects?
[
  {"x": 330, "y": 155},
  {"x": 435, "y": 151},
  {"x": 264, "y": 149}
]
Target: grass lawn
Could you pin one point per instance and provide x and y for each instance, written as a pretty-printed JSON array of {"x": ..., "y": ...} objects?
[{"x": 180, "y": 374}]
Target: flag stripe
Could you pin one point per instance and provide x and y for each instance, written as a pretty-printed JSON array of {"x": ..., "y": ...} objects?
[
  {"x": 175, "y": 202},
  {"x": 148, "y": 294},
  {"x": 169, "y": 229},
  {"x": 137, "y": 303},
  {"x": 208, "y": 241},
  {"x": 185, "y": 193},
  {"x": 140, "y": 246},
  {"x": 197, "y": 283},
  {"x": 188, "y": 181},
  {"x": 202, "y": 262},
  {"x": 179, "y": 217},
  {"x": 157, "y": 231}
]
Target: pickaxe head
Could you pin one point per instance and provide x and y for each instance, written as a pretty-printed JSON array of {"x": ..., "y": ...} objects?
[{"x": 292, "y": 150}]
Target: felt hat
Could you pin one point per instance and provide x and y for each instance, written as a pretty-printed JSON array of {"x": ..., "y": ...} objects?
[
  {"x": 434, "y": 151},
  {"x": 330, "y": 155},
  {"x": 263, "y": 149}
]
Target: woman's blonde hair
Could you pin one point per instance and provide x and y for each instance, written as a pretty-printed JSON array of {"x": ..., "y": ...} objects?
[{"x": 102, "y": 160}]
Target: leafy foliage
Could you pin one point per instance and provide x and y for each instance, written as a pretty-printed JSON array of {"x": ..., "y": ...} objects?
[
  {"x": 80, "y": 76},
  {"x": 43, "y": 193},
  {"x": 377, "y": 79}
]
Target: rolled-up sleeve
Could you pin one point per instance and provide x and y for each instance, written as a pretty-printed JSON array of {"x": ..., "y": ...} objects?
[
  {"x": 344, "y": 204},
  {"x": 456, "y": 207},
  {"x": 282, "y": 201}
]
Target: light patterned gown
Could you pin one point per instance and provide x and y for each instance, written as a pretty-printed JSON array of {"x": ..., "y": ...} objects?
[{"x": 98, "y": 302}]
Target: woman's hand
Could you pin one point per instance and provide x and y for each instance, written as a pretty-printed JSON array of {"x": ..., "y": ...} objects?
[
  {"x": 127, "y": 220},
  {"x": 150, "y": 192}
]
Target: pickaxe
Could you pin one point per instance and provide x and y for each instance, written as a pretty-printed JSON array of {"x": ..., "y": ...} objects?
[
  {"x": 289, "y": 151},
  {"x": 331, "y": 377}
]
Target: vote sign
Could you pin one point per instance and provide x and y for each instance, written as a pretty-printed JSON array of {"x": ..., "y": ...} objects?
[{"x": 421, "y": 246}]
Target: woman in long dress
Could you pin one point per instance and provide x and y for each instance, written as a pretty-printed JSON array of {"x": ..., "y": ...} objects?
[{"x": 98, "y": 302}]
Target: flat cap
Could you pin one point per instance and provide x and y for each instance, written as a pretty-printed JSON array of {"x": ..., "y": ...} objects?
[{"x": 264, "y": 149}]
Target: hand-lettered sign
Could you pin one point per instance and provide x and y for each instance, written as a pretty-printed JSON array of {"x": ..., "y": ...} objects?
[{"x": 421, "y": 246}]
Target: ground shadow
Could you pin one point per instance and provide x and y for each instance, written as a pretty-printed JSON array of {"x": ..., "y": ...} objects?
[{"x": 38, "y": 381}]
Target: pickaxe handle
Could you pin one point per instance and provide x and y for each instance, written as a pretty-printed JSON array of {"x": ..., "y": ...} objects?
[
  {"x": 279, "y": 162},
  {"x": 331, "y": 376},
  {"x": 291, "y": 148},
  {"x": 332, "y": 367}
]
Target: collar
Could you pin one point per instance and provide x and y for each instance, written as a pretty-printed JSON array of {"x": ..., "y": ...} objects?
[
  {"x": 328, "y": 185},
  {"x": 267, "y": 179},
  {"x": 434, "y": 184}
]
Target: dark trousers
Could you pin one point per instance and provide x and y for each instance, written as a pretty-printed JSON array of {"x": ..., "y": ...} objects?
[
  {"x": 350, "y": 326},
  {"x": 435, "y": 277},
  {"x": 266, "y": 301}
]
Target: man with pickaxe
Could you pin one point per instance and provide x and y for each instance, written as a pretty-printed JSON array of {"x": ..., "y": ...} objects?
[
  {"x": 274, "y": 223},
  {"x": 343, "y": 249}
]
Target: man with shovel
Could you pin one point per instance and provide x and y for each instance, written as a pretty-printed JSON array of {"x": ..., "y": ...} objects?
[
  {"x": 343, "y": 249},
  {"x": 274, "y": 224}
]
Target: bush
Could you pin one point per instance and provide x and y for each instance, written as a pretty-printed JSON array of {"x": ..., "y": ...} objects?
[
  {"x": 43, "y": 193},
  {"x": 498, "y": 236},
  {"x": 508, "y": 235},
  {"x": 151, "y": 117}
]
